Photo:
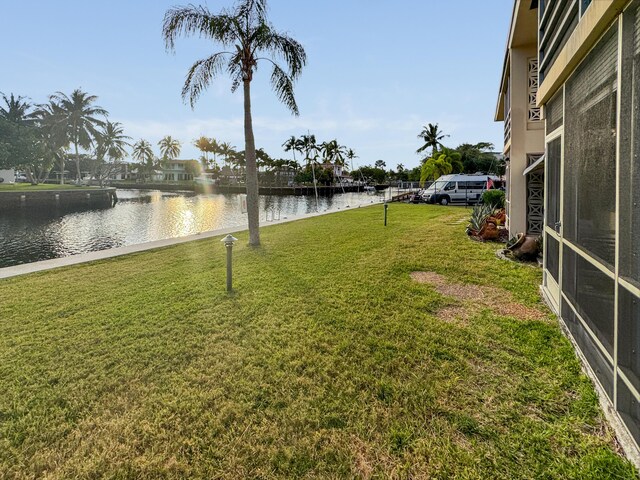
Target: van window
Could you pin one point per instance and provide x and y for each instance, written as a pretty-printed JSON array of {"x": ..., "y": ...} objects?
[
  {"x": 476, "y": 185},
  {"x": 450, "y": 186},
  {"x": 462, "y": 185}
]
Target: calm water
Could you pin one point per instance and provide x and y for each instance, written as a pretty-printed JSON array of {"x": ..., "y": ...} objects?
[{"x": 143, "y": 216}]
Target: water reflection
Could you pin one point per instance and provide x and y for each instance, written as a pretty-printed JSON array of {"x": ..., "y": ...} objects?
[{"x": 143, "y": 216}]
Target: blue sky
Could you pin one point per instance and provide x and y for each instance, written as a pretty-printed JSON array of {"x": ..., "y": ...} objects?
[{"x": 378, "y": 70}]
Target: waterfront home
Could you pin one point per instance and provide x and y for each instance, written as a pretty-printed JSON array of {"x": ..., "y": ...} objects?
[
  {"x": 176, "y": 170},
  {"x": 569, "y": 103},
  {"x": 340, "y": 175}
]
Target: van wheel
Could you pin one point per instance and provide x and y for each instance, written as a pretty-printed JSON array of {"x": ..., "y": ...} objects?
[{"x": 444, "y": 201}]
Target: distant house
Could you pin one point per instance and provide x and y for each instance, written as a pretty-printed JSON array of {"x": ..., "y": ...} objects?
[
  {"x": 569, "y": 102},
  {"x": 339, "y": 173},
  {"x": 175, "y": 170}
]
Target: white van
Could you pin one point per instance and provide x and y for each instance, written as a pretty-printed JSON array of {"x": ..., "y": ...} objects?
[{"x": 459, "y": 188}]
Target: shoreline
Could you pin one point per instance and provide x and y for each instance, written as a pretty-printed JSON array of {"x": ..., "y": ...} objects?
[{"x": 43, "y": 265}]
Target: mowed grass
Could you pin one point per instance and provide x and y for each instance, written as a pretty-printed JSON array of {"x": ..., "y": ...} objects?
[{"x": 327, "y": 362}]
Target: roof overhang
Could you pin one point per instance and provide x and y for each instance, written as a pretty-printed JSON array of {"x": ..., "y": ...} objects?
[{"x": 537, "y": 165}]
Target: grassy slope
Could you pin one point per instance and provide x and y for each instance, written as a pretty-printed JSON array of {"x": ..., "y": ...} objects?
[{"x": 327, "y": 362}]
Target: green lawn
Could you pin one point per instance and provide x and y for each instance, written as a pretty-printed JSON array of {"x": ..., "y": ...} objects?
[
  {"x": 27, "y": 187},
  {"x": 329, "y": 361}
]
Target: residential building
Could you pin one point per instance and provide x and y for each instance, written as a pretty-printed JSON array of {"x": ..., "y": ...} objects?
[
  {"x": 176, "y": 170},
  {"x": 588, "y": 90},
  {"x": 523, "y": 126}
]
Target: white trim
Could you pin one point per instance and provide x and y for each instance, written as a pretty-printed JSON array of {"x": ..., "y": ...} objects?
[
  {"x": 593, "y": 261},
  {"x": 632, "y": 389},
  {"x": 616, "y": 295},
  {"x": 629, "y": 286},
  {"x": 533, "y": 166}
]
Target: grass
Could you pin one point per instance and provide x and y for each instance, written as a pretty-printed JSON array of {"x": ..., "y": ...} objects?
[
  {"x": 328, "y": 361},
  {"x": 27, "y": 187}
]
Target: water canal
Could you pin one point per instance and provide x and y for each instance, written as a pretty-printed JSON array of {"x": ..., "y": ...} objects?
[{"x": 143, "y": 216}]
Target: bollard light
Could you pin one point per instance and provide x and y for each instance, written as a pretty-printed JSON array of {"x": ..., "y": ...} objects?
[
  {"x": 386, "y": 207},
  {"x": 228, "y": 241}
]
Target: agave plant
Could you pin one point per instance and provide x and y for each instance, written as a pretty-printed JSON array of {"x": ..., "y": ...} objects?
[{"x": 478, "y": 218}]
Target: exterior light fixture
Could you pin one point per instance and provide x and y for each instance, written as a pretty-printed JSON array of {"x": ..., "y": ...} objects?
[{"x": 228, "y": 241}]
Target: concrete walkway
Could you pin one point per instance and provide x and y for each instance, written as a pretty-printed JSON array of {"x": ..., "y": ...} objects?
[{"x": 33, "y": 267}]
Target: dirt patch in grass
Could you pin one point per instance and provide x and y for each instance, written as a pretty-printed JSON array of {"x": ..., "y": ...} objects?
[
  {"x": 454, "y": 313},
  {"x": 475, "y": 297}
]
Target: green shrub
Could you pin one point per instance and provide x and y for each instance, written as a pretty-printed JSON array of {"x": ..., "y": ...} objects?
[{"x": 495, "y": 198}]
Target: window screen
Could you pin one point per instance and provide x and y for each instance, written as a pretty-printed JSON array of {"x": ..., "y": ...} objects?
[
  {"x": 591, "y": 293},
  {"x": 552, "y": 252},
  {"x": 629, "y": 409},
  {"x": 553, "y": 112},
  {"x": 590, "y": 151},
  {"x": 630, "y": 147},
  {"x": 629, "y": 335},
  {"x": 598, "y": 362},
  {"x": 554, "y": 151}
]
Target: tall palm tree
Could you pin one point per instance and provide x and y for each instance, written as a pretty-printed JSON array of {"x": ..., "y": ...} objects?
[
  {"x": 213, "y": 147},
  {"x": 169, "y": 148},
  {"x": 432, "y": 136},
  {"x": 307, "y": 144},
  {"x": 53, "y": 126},
  {"x": 246, "y": 38},
  {"x": 111, "y": 143},
  {"x": 143, "y": 153},
  {"x": 226, "y": 150},
  {"x": 351, "y": 154},
  {"x": 17, "y": 110},
  {"x": 290, "y": 145},
  {"x": 79, "y": 114},
  {"x": 202, "y": 144}
]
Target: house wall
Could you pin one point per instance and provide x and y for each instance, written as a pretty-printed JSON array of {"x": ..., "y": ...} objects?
[
  {"x": 597, "y": 259},
  {"x": 527, "y": 137}
]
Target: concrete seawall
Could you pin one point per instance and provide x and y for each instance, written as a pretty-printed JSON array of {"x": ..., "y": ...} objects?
[
  {"x": 323, "y": 190},
  {"x": 62, "y": 198}
]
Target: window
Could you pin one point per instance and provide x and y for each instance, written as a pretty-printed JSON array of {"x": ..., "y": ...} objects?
[
  {"x": 554, "y": 152},
  {"x": 592, "y": 294},
  {"x": 553, "y": 112},
  {"x": 630, "y": 147},
  {"x": 450, "y": 186},
  {"x": 590, "y": 151},
  {"x": 629, "y": 341}
]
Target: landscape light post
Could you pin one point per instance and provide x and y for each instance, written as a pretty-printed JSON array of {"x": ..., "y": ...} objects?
[
  {"x": 228, "y": 241},
  {"x": 386, "y": 207}
]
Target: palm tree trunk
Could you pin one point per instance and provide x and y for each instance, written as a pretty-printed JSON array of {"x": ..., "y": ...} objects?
[
  {"x": 61, "y": 169},
  {"x": 77, "y": 161},
  {"x": 253, "y": 199}
]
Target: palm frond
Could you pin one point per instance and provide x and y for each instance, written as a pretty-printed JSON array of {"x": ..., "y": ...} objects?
[
  {"x": 282, "y": 85},
  {"x": 196, "y": 20},
  {"x": 200, "y": 75}
]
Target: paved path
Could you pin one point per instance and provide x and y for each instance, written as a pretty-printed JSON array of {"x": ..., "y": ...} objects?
[{"x": 33, "y": 267}]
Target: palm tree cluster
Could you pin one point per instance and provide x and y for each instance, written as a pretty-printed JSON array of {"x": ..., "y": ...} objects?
[
  {"x": 330, "y": 152},
  {"x": 45, "y": 133},
  {"x": 466, "y": 158}
]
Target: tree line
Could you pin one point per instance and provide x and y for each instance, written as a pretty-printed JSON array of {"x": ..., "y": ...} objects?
[{"x": 466, "y": 158}]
